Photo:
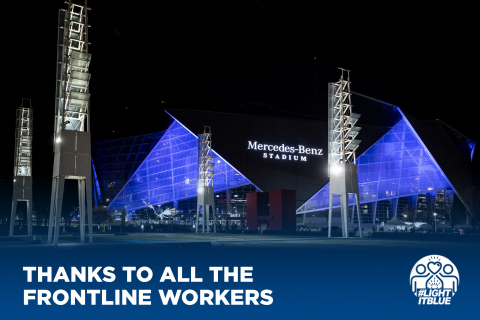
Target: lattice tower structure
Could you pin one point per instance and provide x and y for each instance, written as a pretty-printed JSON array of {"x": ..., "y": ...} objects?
[
  {"x": 22, "y": 167},
  {"x": 205, "y": 191},
  {"x": 342, "y": 169},
  {"x": 72, "y": 139},
  {"x": 341, "y": 123},
  {"x": 73, "y": 63},
  {"x": 23, "y": 141},
  {"x": 205, "y": 159}
]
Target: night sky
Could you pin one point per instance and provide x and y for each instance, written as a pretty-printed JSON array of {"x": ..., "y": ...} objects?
[{"x": 217, "y": 55}]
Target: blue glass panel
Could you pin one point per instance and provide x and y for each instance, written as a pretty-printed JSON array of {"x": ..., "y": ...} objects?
[
  {"x": 114, "y": 160},
  {"x": 96, "y": 186},
  {"x": 397, "y": 165},
  {"x": 169, "y": 172}
]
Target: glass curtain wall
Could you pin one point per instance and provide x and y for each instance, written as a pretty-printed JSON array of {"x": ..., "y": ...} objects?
[
  {"x": 396, "y": 166},
  {"x": 115, "y": 161},
  {"x": 169, "y": 173}
]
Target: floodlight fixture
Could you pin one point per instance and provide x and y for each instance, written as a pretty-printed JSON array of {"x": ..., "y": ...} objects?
[
  {"x": 73, "y": 77},
  {"x": 205, "y": 193},
  {"x": 72, "y": 117},
  {"x": 336, "y": 169},
  {"x": 22, "y": 168},
  {"x": 342, "y": 144}
]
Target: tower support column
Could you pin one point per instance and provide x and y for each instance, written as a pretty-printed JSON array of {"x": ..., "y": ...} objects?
[
  {"x": 229, "y": 200},
  {"x": 205, "y": 193},
  {"x": 343, "y": 182},
  {"x": 72, "y": 143},
  {"x": 58, "y": 207},
  {"x": 330, "y": 198},
  {"x": 394, "y": 207},
  {"x": 22, "y": 192},
  {"x": 342, "y": 144},
  {"x": 357, "y": 200},
  {"x": 197, "y": 218},
  {"x": 29, "y": 218},
  {"x": 72, "y": 162},
  {"x": 81, "y": 207},
  {"x": 88, "y": 189},
  {"x": 22, "y": 169},
  {"x": 13, "y": 216},
  {"x": 344, "y": 214}
]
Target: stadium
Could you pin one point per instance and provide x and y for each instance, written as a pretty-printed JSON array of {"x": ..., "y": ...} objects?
[{"x": 406, "y": 167}]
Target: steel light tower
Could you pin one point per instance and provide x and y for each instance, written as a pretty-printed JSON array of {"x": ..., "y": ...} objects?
[
  {"x": 342, "y": 144},
  {"x": 22, "y": 168},
  {"x": 205, "y": 195},
  {"x": 72, "y": 117}
]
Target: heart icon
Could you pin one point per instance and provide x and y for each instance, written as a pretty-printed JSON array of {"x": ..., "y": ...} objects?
[{"x": 434, "y": 267}]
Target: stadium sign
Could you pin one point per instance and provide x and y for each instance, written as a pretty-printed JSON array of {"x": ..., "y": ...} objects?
[{"x": 283, "y": 152}]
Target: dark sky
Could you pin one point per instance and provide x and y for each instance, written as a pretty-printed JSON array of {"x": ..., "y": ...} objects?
[{"x": 215, "y": 55}]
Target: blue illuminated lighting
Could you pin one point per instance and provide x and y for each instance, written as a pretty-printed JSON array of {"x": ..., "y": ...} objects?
[
  {"x": 169, "y": 172},
  {"x": 117, "y": 160},
  {"x": 397, "y": 165},
  {"x": 96, "y": 186},
  {"x": 217, "y": 157},
  {"x": 471, "y": 146}
]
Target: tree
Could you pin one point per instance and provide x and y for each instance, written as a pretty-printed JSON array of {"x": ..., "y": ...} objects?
[
  {"x": 151, "y": 215},
  {"x": 142, "y": 214},
  {"x": 101, "y": 214}
]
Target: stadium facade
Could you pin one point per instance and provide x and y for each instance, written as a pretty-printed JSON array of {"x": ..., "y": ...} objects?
[{"x": 402, "y": 162}]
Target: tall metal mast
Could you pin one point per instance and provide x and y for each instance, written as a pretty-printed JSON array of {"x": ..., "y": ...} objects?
[
  {"x": 342, "y": 144},
  {"x": 72, "y": 117},
  {"x": 22, "y": 168},
  {"x": 341, "y": 124},
  {"x": 73, "y": 62},
  {"x": 205, "y": 193}
]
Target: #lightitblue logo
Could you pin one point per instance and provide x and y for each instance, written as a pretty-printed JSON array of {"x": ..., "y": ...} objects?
[{"x": 434, "y": 280}]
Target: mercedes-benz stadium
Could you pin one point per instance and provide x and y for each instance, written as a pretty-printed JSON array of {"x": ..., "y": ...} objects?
[{"x": 403, "y": 163}]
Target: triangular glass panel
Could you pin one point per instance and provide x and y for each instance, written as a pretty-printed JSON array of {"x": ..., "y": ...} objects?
[
  {"x": 397, "y": 165},
  {"x": 169, "y": 173}
]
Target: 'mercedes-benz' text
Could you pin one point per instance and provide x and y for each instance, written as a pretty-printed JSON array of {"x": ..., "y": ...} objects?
[{"x": 283, "y": 152}]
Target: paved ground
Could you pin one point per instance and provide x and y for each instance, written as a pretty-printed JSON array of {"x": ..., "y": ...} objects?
[{"x": 235, "y": 240}]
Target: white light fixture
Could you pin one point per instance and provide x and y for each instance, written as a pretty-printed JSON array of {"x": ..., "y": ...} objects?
[
  {"x": 336, "y": 169},
  {"x": 58, "y": 140}
]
